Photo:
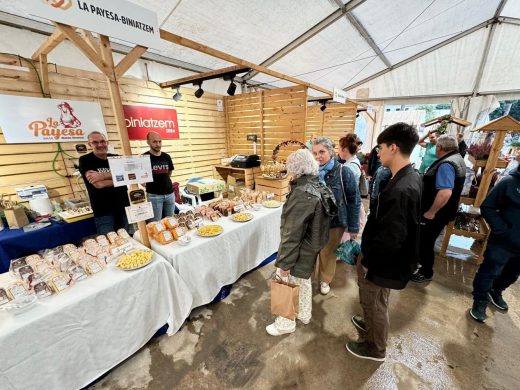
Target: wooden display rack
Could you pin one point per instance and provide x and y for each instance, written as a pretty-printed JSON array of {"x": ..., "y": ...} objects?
[
  {"x": 501, "y": 126},
  {"x": 222, "y": 172},
  {"x": 279, "y": 187}
]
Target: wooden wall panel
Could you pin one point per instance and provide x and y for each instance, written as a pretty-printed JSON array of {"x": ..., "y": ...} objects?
[
  {"x": 335, "y": 122},
  {"x": 273, "y": 115},
  {"x": 202, "y": 142}
]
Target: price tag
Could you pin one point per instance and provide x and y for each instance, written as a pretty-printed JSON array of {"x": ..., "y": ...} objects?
[
  {"x": 139, "y": 212},
  {"x": 239, "y": 208}
]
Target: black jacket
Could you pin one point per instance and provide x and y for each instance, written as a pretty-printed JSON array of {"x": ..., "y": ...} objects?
[
  {"x": 304, "y": 227},
  {"x": 501, "y": 210},
  {"x": 390, "y": 242}
]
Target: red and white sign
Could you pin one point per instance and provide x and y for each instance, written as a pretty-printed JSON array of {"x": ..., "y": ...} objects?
[
  {"x": 142, "y": 119},
  {"x": 33, "y": 120}
]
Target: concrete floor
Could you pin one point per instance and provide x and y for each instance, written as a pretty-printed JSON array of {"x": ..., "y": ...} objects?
[{"x": 433, "y": 343}]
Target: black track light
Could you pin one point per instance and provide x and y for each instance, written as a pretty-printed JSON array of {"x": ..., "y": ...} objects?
[
  {"x": 232, "y": 89},
  {"x": 323, "y": 106},
  {"x": 178, "y": 95},
  {"x": 199, "y": 92}
]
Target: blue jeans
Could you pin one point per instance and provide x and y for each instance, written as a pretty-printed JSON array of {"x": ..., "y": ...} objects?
[
  {"x": 110, "y": 223},
  {"x": 499, "y": 270},
  {"x": 163, "y": 205}
]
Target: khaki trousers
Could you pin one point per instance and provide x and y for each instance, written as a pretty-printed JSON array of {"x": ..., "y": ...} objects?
[
  {"x": 374, "y": 301},
  {"x": 327, "y": 256}
]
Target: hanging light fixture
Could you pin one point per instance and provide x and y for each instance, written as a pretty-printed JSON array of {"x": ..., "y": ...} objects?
[
  {"x": 323, "y": 105},
  {"x": 199, "y": 92},
  {"x": 178, "y": 95},
  {"x": 232, "y": 88}
]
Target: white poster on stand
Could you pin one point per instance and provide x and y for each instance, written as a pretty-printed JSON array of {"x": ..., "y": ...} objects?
[
  {"x": 30, "y": 120},
  {"x": 339, "y": 96},
  {"x": 139, "y": 212},
  {"x": 127, "y": 170},
  {"x": 115, "y": 18}
]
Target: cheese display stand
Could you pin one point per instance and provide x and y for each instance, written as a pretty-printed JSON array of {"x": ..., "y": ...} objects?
[{"x": 479, "y": 229}]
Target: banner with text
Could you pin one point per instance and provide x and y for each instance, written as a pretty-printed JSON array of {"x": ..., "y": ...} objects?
[
  {"x": 339, "y": 96},
  {"x": 27, "y": 120},
  {"x": 142, "y": 119},
  {"x": 115, "y": 18}
]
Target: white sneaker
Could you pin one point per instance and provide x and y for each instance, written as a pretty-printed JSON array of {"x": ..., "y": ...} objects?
[
  {"x": 274, "y": 331},
  {"x": 324, "y": 288},
  {"x": 304, "y": 321}
]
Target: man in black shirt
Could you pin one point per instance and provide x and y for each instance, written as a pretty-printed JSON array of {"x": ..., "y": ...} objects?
[
  {"x": 108, "y": 202},
  {"x": 160, "y": 191},
  {"x": 463, "y": 148}
]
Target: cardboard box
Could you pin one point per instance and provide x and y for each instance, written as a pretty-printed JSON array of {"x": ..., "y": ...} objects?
[
  {"x": 204, "y": 186},
  {"x": 234, "y": 190}
]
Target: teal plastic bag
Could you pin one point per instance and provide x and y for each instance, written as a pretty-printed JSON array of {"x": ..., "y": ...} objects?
[{"x": 348, "y": 251}]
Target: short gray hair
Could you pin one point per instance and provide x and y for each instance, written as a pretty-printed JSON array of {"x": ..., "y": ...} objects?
[
  {"x": 301, "y": 163},
  {"x": 327, "y": 142},
  {"x": 95, "y": 132},
  {"x": 448, "y": 143}
]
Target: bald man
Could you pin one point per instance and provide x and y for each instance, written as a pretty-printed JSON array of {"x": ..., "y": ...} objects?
[{"x": 160, "y": 191}]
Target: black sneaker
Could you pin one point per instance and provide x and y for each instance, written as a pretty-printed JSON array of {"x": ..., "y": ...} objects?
[
  {"x": 364, "y": 351},
  {"x": 420, "y": 278},
  {"x": 497, "y": 300},
  {"x": 478, "y": 311},
  {"x": 359, "y": 323}
]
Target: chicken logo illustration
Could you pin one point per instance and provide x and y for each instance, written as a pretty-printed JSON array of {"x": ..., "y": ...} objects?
[
  {"x": 67, "y": 117},
  {"x": 60, "y": 4}
]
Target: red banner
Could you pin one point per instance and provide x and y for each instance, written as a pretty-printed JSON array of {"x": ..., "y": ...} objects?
[{"x": 141, "y": 119}]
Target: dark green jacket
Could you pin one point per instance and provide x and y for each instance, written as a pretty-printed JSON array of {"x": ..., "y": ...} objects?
[{"x": 304, "y": 227}]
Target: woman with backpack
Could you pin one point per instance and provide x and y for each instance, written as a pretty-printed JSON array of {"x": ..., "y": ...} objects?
[{"x": 343, "y": 184}]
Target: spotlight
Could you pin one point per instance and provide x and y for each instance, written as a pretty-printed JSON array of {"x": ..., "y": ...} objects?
[
  {"x": 177, "y": 96},
  {"x": 199, "y": 92},
  {"x": 231, "y": 89},
  {"x": 323, "y": 106}
]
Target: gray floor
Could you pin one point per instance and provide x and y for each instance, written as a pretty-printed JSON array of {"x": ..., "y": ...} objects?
[{"x": 433, "y": 343}]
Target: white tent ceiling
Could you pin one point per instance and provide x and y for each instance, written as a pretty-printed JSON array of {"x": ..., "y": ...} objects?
[{"x": 372, "y": 48}]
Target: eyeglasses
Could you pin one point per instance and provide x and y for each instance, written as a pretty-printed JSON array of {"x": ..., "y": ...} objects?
[{"x": 378, "y": 149}]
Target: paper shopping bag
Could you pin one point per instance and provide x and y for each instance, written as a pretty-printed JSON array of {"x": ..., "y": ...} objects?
[
  {"x": 14, "y": 214},
  {"x": 284, "y": 299}
]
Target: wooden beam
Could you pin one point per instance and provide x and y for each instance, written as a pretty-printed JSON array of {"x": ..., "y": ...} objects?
[
  {"x": 50, "y": 44},
  {"x": 491, "y": 164},
  {"x": 85, "y": 48},
  {"x": 170, "y": 37},
  {"x": 206, "y": 75},
  {"x": 89, "y": 38},
  {"x": 44, "y": 74},
  {"x": 128, "y": 60}
]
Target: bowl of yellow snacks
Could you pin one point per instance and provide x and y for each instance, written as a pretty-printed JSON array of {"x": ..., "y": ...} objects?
[
  {"x": 135, "y": 259},
  {"x": 271, "y": 204},
  {"x": 210, "y": 230},
  {"x": 241, "y": 217}
]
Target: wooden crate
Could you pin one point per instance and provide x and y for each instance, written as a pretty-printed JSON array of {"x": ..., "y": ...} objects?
[
  {"x": 278, "y": 187},
  {"x": 482, "y": 163},
  {"x": 249, "y": 175}
]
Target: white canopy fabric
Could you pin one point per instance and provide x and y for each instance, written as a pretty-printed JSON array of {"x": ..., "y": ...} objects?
[{"x": 374, "y": 49}]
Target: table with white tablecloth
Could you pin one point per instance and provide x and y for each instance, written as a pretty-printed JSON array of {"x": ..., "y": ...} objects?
[
  {"x": 69, "y": 339},
  {"x": 209, "y": 263}
]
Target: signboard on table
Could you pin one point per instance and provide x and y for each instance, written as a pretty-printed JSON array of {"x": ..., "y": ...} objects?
[
  {"x": 120, "y": 19},
  {"x": 139, "y": 212},
  {"x": 27, "y": 120},
  {"x": 339, "y": 96},
  {"x": 142, "y": 119},
  {"x": 127, "y": 170}
]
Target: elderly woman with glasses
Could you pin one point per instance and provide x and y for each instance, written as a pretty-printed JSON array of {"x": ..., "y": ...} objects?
[
  {"x": 304, "y": 231},
  {"x": 345, "y": 188}
]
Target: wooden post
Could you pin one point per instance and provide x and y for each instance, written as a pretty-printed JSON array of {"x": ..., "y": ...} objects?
[
  {"x": 117, "y": 107},
  {"x": 490, "y": 166},
  {"x": 44, "y": 74},
  {"x": 262, "y": 131}
]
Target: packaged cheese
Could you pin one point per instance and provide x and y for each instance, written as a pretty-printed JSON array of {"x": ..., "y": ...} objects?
[
  {"x": 69, "y": 248},
  {"x": 90, "y": 241},
  {"x": 4, "y": 298},
  {"x": 93, "y": 267},
  {"x": 77, "y": 273},
  {"x": 103, "y": 255},
  {"x": 102, "y": 240},
  {"x": 170, "y": 222},
  {"x": 16, "y": 264},
  {"x": 123, "y": 233},
  {"x": 25, "y": 271},
  {"x": 59, "y": 282},
  {"x": 33, "y": 259},
  {"x": 42, "y": 289},
  {"x": 164, "y": 237},
  {"x": 112, "y": 237},
  {"x": 157, "y": 228},
  {"x": 17, "y": 290}
]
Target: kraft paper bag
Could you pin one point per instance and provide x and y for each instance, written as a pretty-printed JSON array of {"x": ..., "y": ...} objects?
[
  {"x": 16, "y": 218},
  {"x": 285, "y": 299}
]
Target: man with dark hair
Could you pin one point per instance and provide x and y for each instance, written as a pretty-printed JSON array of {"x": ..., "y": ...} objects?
[
  {"x": 442, "y": 186},
  {"x": 463, "y": 148},
  {"x": 160, "y": 191},
  {"x": 108, "y": 202},
  {"x": 501, "y": 265},
  {"x": 389, "y": 243}
]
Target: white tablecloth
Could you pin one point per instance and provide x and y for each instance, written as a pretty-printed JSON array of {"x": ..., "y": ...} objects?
[
  {"x": 208, "y": 264},
  {"x": 68, "y": 340}
]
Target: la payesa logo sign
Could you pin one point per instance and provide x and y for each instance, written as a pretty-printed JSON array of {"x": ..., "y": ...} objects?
[{"x": 142, "y": 119}]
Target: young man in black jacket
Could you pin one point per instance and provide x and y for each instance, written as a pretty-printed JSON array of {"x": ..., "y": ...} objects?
[{"x": 390, "y": 241}]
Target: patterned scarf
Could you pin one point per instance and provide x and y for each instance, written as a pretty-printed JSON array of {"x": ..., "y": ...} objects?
[{"x": 324, "y": 169}]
